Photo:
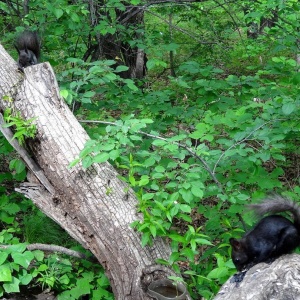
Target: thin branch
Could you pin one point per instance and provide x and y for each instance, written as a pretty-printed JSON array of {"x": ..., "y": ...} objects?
[
  {"x": 51, "y": 248},
  {"x": 198, "y": 39},
  {"x": 241, "y": 141},
  {"x": 204, "y": 163}
]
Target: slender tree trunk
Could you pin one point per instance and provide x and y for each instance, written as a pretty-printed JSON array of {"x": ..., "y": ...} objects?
[
  {"x": 92, "y": 205},
  {"x": 172, "y": 67}
]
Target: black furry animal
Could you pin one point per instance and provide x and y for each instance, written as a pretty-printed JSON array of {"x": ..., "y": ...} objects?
[
  {"x": 28, "y": 47},
  {"x": 272, "y": 236}
]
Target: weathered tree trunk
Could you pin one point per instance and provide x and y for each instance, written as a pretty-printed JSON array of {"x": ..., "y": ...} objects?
[
  {"x": 92, "y": 204},
  {"x": 277, "y": 281}
]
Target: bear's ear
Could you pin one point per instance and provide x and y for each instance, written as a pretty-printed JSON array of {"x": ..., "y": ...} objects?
[{"x": 235, "y": 244}]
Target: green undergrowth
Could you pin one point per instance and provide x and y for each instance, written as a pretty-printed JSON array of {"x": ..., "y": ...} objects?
[{"x": 196, "y": 147}]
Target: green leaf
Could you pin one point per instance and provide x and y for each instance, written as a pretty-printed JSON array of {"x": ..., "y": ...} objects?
[
  {"x": 114, "y": 154},
  {"x": 74, "y": 162},
  {"x": 12, "y": 287},
  {"x": 144, "y": 180},
  {"x": 160, "y": 205},
  {"x": 160, "y": 169},
  {"x": 87, "y": 150},
  {"x": 149, "y": 162},
  {"x": 11, "y": 208},
  {"x": 87, "y": 162},
  {"x": 186, "y": 195},
  {"x": 132, "y": 86},
  {"x": 203, "y": 242},
  {"x": 218, "y": 273},
  {"x": 189, "y": 253},
  {"x": 174, "y": 257},
  {"x": 147, "y": 196},
  {"x": 89, "y": 94},
  {"x": 23, "y": 259},
  {"x": 185, "y": 208},
  {"x": 153, "y": 230},
  {"x": 64, "y": 296},
  {"x": 100, "y": 158},
  {"x": 25, "y": 278},
  {"x": 296, "y": 78},
  {"x": 288, "y": 108},
  {"x": 5, "y": 273},
  {"x": 197, "y": 192},
  {"x": 145, "y": 239},
  {"x": 42, "y": 268},
  {"x": 17, "y": 165},
  {"x": 58, "y": 12},
  {"x": 159, "y": 143},
  {"x": 64, "y": 279},
  {"x": 75, "y": 17},
  {"x": 64, "y": 93},
  {"x": 3, "y": 257},
  {"x": 121, "y": 68},
  {"x": 177, "y": 238}
]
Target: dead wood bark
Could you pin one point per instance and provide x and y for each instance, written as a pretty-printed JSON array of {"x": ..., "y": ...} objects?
[
  {"x": 277, "y": 281},
  {"x": 92, "y": 205}
]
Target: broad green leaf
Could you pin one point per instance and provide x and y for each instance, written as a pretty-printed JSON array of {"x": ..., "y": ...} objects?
[
  {"x": 42, "y": 268},
  {"x": 3, "y": 257},
  {"x": 13, "y": 286},
  {"x": 186, "y": 195},
  {"x": 144, "y": 180},
  {"x": 64, "y": 279},
  {"x": 114, "y": 154},
  {"x": 203, "y": 242},
  {"x": 5, "y": 273},
  {"x": 185, "y": 208},
  {"x": 23, "y": 259},
  {"x": 38, "y": 254},
  {"x": 64, "y": 93},
  {"x": 288, "y": 108},
  {"x": 197, "y": 192},
  {"x": 25, "y": 278},
  {"x": 177, "y": 238},
  {"x": 159, "y": 143},
  {"x": 149, "y": 162},
  {"x": 147, "y": 196},
  {"x": 100, "y": 158},
  {"x": 174, "y": 257},
  {"x": 218, "y": 273},
  {"x": 153, "y": 230},
  {"x": 87, "y": 162},
  {"x": 160, "y": 169},
  {"x": 145, "y": 239},
  {"x": 58, "y": 12},
  {"x": 121, "y": 68}
]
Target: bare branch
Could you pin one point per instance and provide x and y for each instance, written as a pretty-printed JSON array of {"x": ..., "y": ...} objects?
[{"x": 51, "y": 248}]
